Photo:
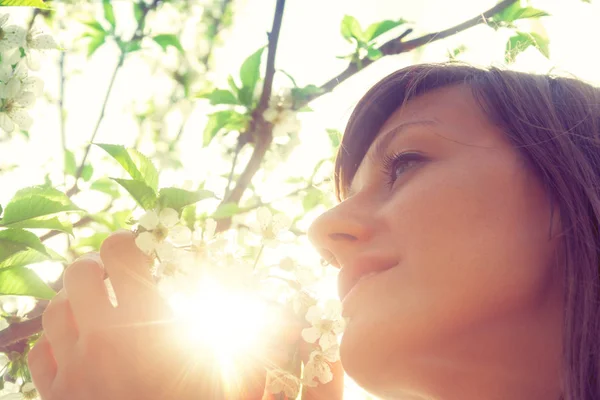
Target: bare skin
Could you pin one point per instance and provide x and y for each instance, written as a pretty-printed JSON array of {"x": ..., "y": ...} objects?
[
  {"x": 91, "y": 350},
  {"x": 473, "y": 307}
]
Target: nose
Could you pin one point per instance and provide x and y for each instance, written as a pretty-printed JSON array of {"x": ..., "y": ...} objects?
[{"x": 337, "y": 233}]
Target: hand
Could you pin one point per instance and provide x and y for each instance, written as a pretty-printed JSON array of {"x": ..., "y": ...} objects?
[{"x": 91, "y": 350}]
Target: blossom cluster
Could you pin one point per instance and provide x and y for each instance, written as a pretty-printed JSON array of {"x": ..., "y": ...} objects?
[
  {"x": 179, "y": 252},
  {"x": 19, "y": 53}
]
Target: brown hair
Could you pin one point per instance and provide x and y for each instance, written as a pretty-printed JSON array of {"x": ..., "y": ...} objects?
[{"x": 554, "y": 123}]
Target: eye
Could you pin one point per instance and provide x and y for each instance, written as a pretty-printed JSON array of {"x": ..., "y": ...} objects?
[{"x": 395, "y": 164}]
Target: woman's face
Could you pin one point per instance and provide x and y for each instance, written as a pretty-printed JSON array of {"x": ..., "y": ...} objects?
[{"x": 470, "y": 290}]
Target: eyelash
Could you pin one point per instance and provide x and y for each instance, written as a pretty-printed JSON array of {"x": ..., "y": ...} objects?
[{"x": 391, "y": 162}]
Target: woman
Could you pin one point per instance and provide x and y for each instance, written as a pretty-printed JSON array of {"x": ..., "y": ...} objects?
[{"x": 467, "y": 239}]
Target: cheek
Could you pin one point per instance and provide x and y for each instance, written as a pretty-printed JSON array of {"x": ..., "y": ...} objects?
[
  {"x": 473, "y": 242},
  {"x": 474, "y": 253}
]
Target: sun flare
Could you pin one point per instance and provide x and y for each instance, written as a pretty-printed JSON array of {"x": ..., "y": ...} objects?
[{"x": 228, "y": 321}]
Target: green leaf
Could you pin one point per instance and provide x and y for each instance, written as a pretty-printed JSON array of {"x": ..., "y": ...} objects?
[
  {"x": 373, "y": 53},
  {"x": 109, "y": 13},
  {"x": 25, "y": 3},
  {"x": 94, "y": 43},
  {"x": 106, "y": 185},
  {"x": 178, "y": 198},
  {"x": 379, "y": 28},
  {"x": 220, "y": 96},
  {"x": 311, "y": 199},
  {"x": 53, "y": 223},
  {"x": 70, "y": 163},
  {"x": 30, "y": 256},
  {"x": 1, "y": 209},
  {"x": 139, "y": 167},
  {"x": 350, "y": 29},
  {"x": 138, "y": 13},
  {"x": 113, "y": 220},
  {"x": 188, "y": 214},
  {"x": 94, "y": 241},
  {"x": 34, "y": 202},
  {"x": 335, "y": 137},
  {"x": 226, "y": 210},
  {"x": 302, "y": 94},
  {"x": 96, "y": 26},
  {"x": 250, "y": 71},
  {"x": 144, "y": 195},
  {"x": 13, "y": 241},
  {"x": 227, "y": 119},
  {"x": 234, "y": 88},
  {"x": 167, "y": 39},
  {"x": 515, "y": 12},
  {"x": 87, "y": 172},
  {"x": 23, "y": 282},
  {"x": 521, "y": 41}
]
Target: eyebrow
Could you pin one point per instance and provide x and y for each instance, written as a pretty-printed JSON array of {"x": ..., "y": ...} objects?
[{"x": 382, "y": 142}]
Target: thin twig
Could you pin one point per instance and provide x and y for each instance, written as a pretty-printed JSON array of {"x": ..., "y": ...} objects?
[
  {"x": 260, "y": 131},
  {"x": 102, "y": 111},
  {"x": 138, "y": 34},
  {"x": 397, "y": 46},
  {"x": 61, "y": 110}
]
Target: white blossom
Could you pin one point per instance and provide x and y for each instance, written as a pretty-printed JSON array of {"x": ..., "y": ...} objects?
[
  {"x": 318, "y": 366},
  {"x": 326, "y": 323},
  {"x": 36, "y": 41},
  {"x": 269, "y": 226},
  {"x": 11, "y": 36},
  {"x": 285, "y": 121},
  {"x": 26, "y": 392},
  {"x": 162, "y": 233},
  {"x": 279, "y": 380}
]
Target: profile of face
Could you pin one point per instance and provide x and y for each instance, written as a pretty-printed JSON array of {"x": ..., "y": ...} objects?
[{"x": 468, "y": 300}]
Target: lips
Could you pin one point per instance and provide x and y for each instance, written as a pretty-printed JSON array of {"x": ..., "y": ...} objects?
[{"x": 351, "y": 273}]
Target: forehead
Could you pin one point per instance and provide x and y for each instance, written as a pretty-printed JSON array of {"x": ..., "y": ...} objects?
[{"x": 451, "y": 113}]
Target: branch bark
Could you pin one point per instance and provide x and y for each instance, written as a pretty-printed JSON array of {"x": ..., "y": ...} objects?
[
  {"x": 261, "y": 132},
  {"x": 397, "y": 46}
]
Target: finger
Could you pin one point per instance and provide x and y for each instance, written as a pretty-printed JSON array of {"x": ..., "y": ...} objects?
[
  {"x": 88, "y": 297},
  {"x": 60, "y": 328},
  {"x": 42, "y": 366},
  {"x": 129, "y": 271}
]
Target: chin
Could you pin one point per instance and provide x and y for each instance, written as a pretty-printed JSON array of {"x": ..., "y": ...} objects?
[{"x": 365, "y": 357}]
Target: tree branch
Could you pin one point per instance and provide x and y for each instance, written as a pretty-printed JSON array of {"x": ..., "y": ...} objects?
[
  {"x": 397, "y": 46},
  {"x": 19, "y": 331},
  {"x": 138, "y": 34},
  {"x": 260, "y": 131}
]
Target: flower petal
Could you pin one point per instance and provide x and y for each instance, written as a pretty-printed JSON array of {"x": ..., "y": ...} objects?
[
  {"x": 327, "y": 340},
  {"x": 210, "y": 226},
  {"x": 168, "y": 217},
  {"x": 311, "y": 334},
  {"x": 146, "y": 242},
  {"x": 314, "y": 314},
  {"x": 6, "y": 123},
  {"x": 180, "y": 235},
  {"x": 43, "y": 42},
  {"x": 21, "y": 118},
  {"x": 12, "y": 89},
  {"x": 3, "y": 19},
  {"x": 263, "y": 217},
  {"x": 165, "y": 251},
  {"x": 25, "y": 99},
  {"x": 149, "y": 220}
]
